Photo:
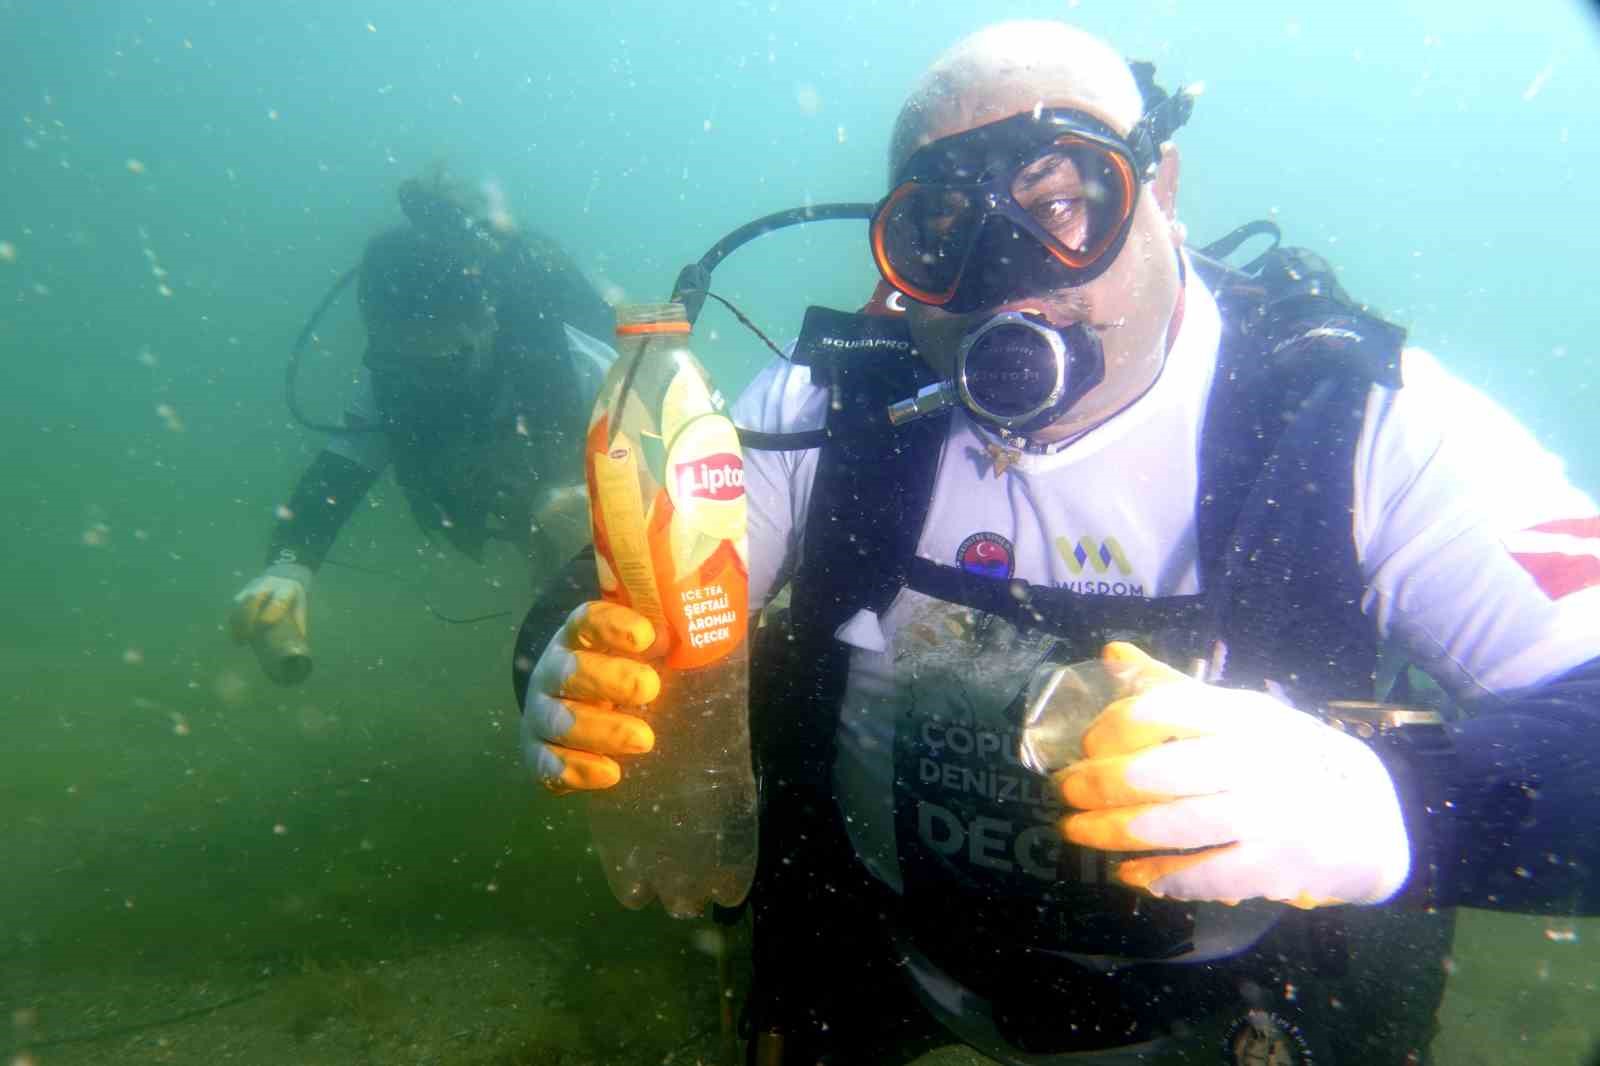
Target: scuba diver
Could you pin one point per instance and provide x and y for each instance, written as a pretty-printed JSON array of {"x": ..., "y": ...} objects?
[
  {"x": 481, "y": 359},
  {"x": 1059, "y": 434}
]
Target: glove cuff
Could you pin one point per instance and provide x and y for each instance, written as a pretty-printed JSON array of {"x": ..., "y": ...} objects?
[
  {"x": 574, "y": 584},
  {"x": 1421, "y": 761},
  {"x": 292, "y": 571}
]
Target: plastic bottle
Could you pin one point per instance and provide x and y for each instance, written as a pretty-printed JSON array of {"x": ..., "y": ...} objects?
[
  {"x": 284, "y": 654},
  {"x": 1062, "y": 700},
  {"x": 667, "y": 503}
]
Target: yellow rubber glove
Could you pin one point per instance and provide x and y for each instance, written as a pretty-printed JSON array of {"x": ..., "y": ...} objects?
[
  {"x": 1263, "y": 800},
  {"x": 282, "y": 591},
  {"x": 571, "y": 724}
]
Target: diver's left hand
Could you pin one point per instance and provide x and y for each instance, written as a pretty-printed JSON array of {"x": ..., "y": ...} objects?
[
  {"x": 563, "y": 519},
  {"x": 1282, "y": 805}
]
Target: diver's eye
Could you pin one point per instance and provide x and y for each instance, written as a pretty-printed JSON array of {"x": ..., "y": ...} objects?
[
  {"x": 1066, "y": 218},
  {"x": 1058, "y": 213}
]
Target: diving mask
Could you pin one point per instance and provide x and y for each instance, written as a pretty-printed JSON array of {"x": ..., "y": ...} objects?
[{"x": 1033, "y": 203}]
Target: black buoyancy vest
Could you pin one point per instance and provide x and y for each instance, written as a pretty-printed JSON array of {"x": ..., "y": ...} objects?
[
  {"x": 1281, "y": 587},
  {"x": 474, "y": 445},
  {"x": 1280, "y": 583}
]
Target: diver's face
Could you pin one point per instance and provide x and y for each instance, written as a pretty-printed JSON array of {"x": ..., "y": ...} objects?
[
  {"x": 1130, "y": 305},
  {"x": 430, "y": 341}
]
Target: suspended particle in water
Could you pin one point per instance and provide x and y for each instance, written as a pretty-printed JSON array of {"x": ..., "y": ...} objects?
[
  {"x": 180, "y": 725},
  {"x": 498, "y": 210},
  {"x": 134, "y": 166},
  {"x": 170, "y": 416},
  {"x": 709, "y": 941},
  {"x": 146, "y": 357},
  {"x": 806, "y": 95},
  {"x": 230, "y": 687},
  {"x": 279, "y": 829},
  {"x": 8, "y": 252},
  {"x": 1536, "y": 85},
  {"x": 283, "y": 513},
  {"x": 1561, "y": 933},
  {"x": 133, "y": 657},
  {"x": 96, "y": 535}
]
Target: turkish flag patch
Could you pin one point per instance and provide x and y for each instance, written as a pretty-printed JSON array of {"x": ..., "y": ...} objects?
[{"x": 1562, "y": 557}]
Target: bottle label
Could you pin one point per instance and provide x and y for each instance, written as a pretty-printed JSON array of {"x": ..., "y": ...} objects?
[
  {"x": 708, "y": 601},
  {"x": 717, "y": 477},
  {"x": 707, "y": 611},
  {"x": 619, "y": 521},
  {"x": 705, "y": 477},
  {"x": 681, "y": 560}
]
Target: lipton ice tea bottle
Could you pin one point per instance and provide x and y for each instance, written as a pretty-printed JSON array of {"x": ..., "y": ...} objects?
[{"x": 666, "y": 491}]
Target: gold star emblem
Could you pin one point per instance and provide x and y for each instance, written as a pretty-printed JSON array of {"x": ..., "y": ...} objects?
[{"x": 1001, "y": 458}]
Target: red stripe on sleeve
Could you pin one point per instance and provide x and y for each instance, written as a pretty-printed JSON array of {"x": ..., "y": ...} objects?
[
  {"x": 1572, "y": 527},
  {"x": 1560, "y": 575}
]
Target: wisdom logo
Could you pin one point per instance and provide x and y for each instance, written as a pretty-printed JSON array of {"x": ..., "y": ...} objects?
[
  {"x": 1095, "y": 559},
  {"x": 1099, "y": 557}
]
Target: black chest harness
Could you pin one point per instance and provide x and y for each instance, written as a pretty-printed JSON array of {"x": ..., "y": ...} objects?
[{"x": 1280, "y": 586}]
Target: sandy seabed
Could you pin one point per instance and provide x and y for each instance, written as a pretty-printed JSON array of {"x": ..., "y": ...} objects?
[{"x": 499, "y": 1000}]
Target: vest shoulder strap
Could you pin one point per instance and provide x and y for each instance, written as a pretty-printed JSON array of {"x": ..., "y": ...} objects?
[{"x": 1296, "y": 364}]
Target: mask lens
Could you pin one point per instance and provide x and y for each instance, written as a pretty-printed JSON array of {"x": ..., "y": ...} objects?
[
  {"x": 921, "y": 237},
  {"x": 1080, "y": 195},
  {"x": 1011, "y": 371}
]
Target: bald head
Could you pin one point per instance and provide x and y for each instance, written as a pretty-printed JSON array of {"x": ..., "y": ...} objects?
[{"x": 1009, "y": 68}]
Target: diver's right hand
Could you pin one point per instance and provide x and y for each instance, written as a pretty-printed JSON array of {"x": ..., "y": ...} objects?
[
  {"x": 571, "y": 726},
  {"x": 282, "y": 591}
]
